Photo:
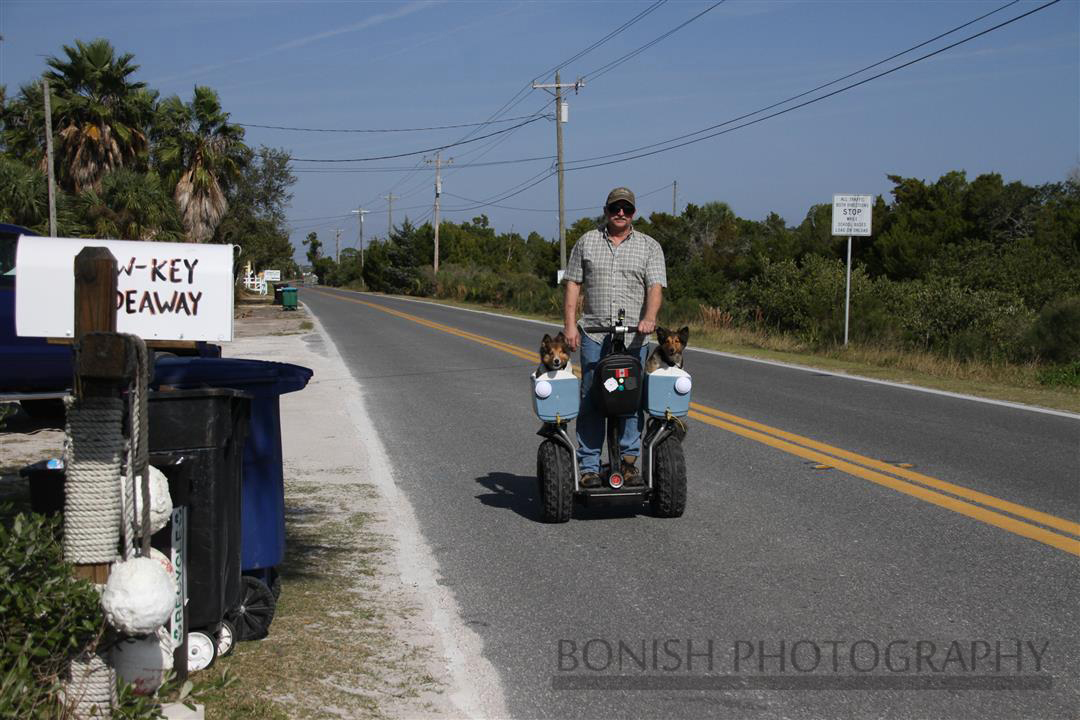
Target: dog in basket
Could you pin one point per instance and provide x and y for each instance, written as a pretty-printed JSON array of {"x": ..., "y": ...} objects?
[
  {"x": 669, "y": 349},
  {"x": 554, "y": 354}
]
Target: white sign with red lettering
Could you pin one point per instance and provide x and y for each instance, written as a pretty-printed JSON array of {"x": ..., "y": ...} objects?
[{"x": 164, "y": 291}]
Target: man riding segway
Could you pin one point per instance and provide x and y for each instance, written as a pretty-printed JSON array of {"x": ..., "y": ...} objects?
[{"x": 618, "y": 268}]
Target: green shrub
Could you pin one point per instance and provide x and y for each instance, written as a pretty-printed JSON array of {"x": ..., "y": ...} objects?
[
  {"x": 1055, "y": 334},
  {"x": 1064, "y": 375},
  {"x": 46, "y": 616}
]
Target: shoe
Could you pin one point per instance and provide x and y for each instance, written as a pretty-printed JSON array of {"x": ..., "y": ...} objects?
[
  {"x": 589, "y": 480},
  {"x": 631, "y": 474}
]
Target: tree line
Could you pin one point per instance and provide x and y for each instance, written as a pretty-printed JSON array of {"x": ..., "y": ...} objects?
[
  {"x": 982, "y": 268},
  {"x": 130, "y": 164}
]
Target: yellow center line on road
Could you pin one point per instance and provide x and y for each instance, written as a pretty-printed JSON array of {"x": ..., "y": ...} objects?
[
  {"x": 1033, "y": 532},
  {"x": 906, "y": 481},
  {"x": 967, "y": 493}
]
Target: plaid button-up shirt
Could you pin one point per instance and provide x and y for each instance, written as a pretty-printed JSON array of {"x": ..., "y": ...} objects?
[{"x": 616, "y": 277}]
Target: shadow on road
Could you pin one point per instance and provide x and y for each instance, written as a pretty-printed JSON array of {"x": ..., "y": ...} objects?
[{"x": 521, "y": 494}]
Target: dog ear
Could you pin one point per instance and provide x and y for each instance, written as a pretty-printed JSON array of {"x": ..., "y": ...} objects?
[
  {"x": 684, "y": 335},
  {"x": 661, "y": 334},
  {"x": 545, "y": 341},
  {"x": 560, "y": 338}
]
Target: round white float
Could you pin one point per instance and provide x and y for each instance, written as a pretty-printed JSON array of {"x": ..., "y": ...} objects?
[
  {"x": 542, "y": 389},
  {"x": 139, "y": 596},
  {"x": 682, "y": 385}
]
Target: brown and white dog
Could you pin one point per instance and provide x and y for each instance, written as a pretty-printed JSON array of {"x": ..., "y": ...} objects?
[
  {"x": 669, "y": 349},
  {"x": 554, "y": 354}
]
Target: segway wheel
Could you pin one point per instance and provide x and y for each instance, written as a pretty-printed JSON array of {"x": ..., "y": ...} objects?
[
  {"x": 255, "y": 612},
  {"x": 201, "y": 651},
  {"x": 226, "y": 639},
  {"x": 668, "y": 497},
  {"x": 555, "y": 471}
]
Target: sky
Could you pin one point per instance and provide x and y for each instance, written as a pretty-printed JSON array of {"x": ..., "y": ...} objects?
[{"x": 1005, "y": 102}]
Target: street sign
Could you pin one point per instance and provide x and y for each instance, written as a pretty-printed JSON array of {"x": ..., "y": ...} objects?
[
  {"x": 272, "y": 275},
  {"x": 164, "y": 291},
  {"x": 851, "y": 215}
]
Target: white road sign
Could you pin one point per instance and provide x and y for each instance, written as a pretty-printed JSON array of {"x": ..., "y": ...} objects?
[
  {"x": 851, "y": 215},
  {"x": 272, "y": 275},
  {"x": 164, "y": 291}
]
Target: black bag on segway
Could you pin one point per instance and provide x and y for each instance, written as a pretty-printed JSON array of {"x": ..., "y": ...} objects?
[{"x": 617, "y": 384}]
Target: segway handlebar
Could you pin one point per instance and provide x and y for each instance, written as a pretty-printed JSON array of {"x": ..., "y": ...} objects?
[{"x": 606, "y": 329}]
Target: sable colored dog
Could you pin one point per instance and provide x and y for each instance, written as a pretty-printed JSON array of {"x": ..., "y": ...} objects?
[
  {"x": 554, "y": 354},
  {"x": 669, "y": 348}
]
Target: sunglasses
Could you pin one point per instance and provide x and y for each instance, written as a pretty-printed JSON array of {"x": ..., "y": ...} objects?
[{"x": 626, "y": 208}]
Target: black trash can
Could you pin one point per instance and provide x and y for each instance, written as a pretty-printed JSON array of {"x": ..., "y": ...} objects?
[
  {"x": 278, "y": 287},
  {"x": 46, "y": 479},
  {"x": 208, "y": 427}
]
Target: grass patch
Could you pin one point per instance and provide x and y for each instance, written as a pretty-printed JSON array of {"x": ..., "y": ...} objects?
[{"x": 331, "y": 651}]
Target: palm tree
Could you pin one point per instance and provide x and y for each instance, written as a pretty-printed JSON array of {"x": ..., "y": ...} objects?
[
  {"x": 131, "y": 206},
  {"x": 101, "y": 113},
  {"x": 202, "y": 153}
]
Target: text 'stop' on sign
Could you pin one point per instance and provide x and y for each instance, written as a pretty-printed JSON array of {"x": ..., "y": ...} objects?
[
  {"x": 851, "y": 214},
  {"x": 165, "y": 291}
]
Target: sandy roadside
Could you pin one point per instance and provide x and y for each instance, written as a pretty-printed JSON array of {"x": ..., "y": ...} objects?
[
  {"x": 330, "y": 446},
  {"x": 389, "y": 642}
]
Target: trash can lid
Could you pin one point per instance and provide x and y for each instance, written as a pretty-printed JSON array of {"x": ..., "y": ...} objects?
[{"x": 259, "y": 377}]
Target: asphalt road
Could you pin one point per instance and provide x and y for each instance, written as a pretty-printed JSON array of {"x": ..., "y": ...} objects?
[{"x": 849, "y": 549}]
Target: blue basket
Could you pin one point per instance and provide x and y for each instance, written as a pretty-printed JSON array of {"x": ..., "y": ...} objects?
[
  {"x": 667, "y": 390},
  {"x": 562, "y": 391}
]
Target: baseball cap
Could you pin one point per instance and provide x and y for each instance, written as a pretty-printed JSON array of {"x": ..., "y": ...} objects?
[{"x": 621, "y": 193}]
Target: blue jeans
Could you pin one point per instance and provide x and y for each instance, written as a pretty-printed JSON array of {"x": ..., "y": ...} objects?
[{"x": 590, "y": 423}]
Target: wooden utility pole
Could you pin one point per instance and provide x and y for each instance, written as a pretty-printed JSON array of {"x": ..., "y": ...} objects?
[
  {"x": 674, "y": 194},
  {"x": 360, "y": 212},
  {"x": 390, "y": 213},
  {"x": 438, "y": 195},
  {"x": 49, "y": 156},
  {"x": 337, "y": 245},
  {"x": 561, "y": 116}
]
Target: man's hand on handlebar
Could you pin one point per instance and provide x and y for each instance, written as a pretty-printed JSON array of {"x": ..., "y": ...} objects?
[{"x": 646, "y": 327}]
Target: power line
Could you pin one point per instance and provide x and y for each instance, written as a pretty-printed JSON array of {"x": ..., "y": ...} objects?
[
  {"x": 551, "y": 210},
  {"x": 383, "y": 130},
  {"x": 790, "y": 109},
  {"x": 416, "y": 152},
  {"x": 518, "y": 97},
  {"x": 619, "y": 61},
  {"x": 640, "y": 16}
]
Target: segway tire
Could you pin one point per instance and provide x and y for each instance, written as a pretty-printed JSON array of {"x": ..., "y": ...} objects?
[
  {"x": 668, "y": 497},
  {"x": 555, "y": 471}
]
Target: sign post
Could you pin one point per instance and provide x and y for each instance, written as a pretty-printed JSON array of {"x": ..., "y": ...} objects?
[{"x": 851, "y": 217}]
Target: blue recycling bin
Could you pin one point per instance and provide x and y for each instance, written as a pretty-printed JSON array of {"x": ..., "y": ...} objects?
[{"x": 262, "y": 503}]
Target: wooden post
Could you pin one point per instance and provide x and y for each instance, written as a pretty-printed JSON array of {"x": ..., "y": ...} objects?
[{"x": 95, "y": 312}]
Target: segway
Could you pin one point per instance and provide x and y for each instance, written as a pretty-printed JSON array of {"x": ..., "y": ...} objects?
[{"x": 620, "y": 388}]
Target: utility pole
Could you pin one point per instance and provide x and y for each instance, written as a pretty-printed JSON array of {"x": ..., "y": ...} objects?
[
  {"x": 337, "y": 245},
  {"x": 562, "y": 114},
  {"x": 390, "y": 213},
  {"x": 438, "y": 193},
  {"x": 360, "y": 212},
  {"x": 674, "y": 194},
  {"x": 49, "y": 157}
]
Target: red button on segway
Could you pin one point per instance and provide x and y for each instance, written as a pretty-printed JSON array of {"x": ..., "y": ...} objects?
[{"x": 616, "y": 480}]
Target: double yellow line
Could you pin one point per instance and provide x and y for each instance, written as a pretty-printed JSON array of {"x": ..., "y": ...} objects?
[{"x": 1018, "y": 519}]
